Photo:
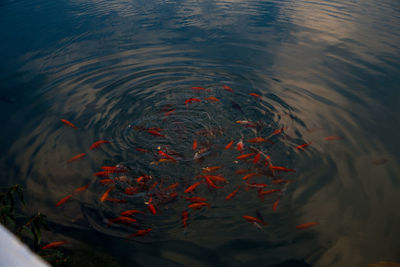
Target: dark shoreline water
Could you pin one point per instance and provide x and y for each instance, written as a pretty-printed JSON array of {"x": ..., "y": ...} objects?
[{"x": 323, "y": 68}]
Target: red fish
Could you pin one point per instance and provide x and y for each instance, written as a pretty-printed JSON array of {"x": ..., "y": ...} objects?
[
  {"x": 106, "y": 193},
  {"x": 192, "y": 187},
  {"x": 106, "y": 181},
  {"x": 261, "y": 193},
  {"x": 131, "y": 190},
  {"x": 229, "y": 145},
  {"x": 211, "y": 169},
  {"x": 195, "y": 199},
  {"x": 242, "y": 171},
  {"x": 172, "y": 186},
  {"x": 151, "y": 207},
  {"x": 218, "y": 178},
  {"x": 212, "y": 99},
  {"x": 257, "y": 158},
  {"x": 102, "y": 174},
  {"x": 62, "y": 201},
  {"x": 190, "y": 100},
  {"x": 245, "y": 156},
  {"x": 278, "y": 131},
  {"x": 54, "y": 244},
  {"x": 282, "y": 169},
  {"x": 198, "y": 205},
  {"x": 227, "y": 88},
  {"x": 250, "y": 175},
  {"x": 68, "y": 123},
  {"x": 141, "y": 232},
  {"x": 254, "y": 185},
  {"x": 81, "y": 189},
  {"x": 258, "y": 140},
  {"x": 332, "y": 138},
  {"x": 141, "y": 150},
  {"x": 306, "y": 225},
  {"x": 280, "y": 181},
  {"x": 114, "y": 169},
  {"x": 301, "y": 147},
  {"x": 165, "y": 155},
  {"x": 194, "y": 146},
  {"x": 98, "y": 144},
  {"x": 130, "y": 212},
  {"x": 210, "y": 182},
  {"x": 122, "y": 220},
  {"x": 231, "y": 195},
  {"x": 253, "y": 219},
  {"x": 255, "y": 95},
  {"x": 275, "y": 206},
  {"x": 79, "y": 156},
  {"x": 155, "y": 133},
  {"x": 166, "y": 114},
  {"x": 185, "y": 216},
  {"x": 240, "y": 145}
]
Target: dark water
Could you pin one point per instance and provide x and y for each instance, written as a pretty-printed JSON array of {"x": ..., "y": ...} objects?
[{"x": 323, "y": 68}]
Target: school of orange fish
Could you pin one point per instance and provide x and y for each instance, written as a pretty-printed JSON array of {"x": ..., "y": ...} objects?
[{"x": 158, "y": 192}]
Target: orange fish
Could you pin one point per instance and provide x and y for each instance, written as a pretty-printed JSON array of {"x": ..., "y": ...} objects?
[
  {"x": 166, "y": 114},
  {"x": 331, "y": 138},
  {"x": 130, "y": 212},
  {"x": 254, "y": 185},
  {"x": 242, "y": 171},
  {"x": 114, "y": 169},
  {"x": 98, "y": 144},
  {"x": 301, "y": 147},
  {"x": 54, "y": 244},
  {"x": 105, "y": 195},
  {"x": 141, "y": 232},
  {"x": 258, "y": 140},
  {"x": 192, "y": 187},
  {"x": 229, "y": 145},
  {"x": 239, "y": 145},
  {"x": 68, "y": 123},
  {"x": 194, "y": 146},
  {"x": 250, "y": 175},
  {"x": 255, "y": 95},
  {"x": 185, "y": 216},
  {"x": 227, "y": 88},
  {"x": 282, "y": 169},
  {"x": 76, "y": 157},
  {"x": 257, "y": 158},
  {"x": 306, "y": 225},
  {"x": 62, "y": 201},
  {"x": 198, "y": 205},
  {"x": 245, "y": 156},
  {"x": 106, "y": 181},
  {"x": 278, "y": 131},
  {"x": 190, "y": 100},
  {"x": 218, "y": 178},
  {"x": 195, "y": 199},
  {"x": 81, "y": 189},
  {"x": 211, "y": 169},
  {"x": 231, "y": 195},
  {"x": 253, "y": 219},
  {"x": 211, "y": 98},
  {"x": 275, "y": 206}
]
